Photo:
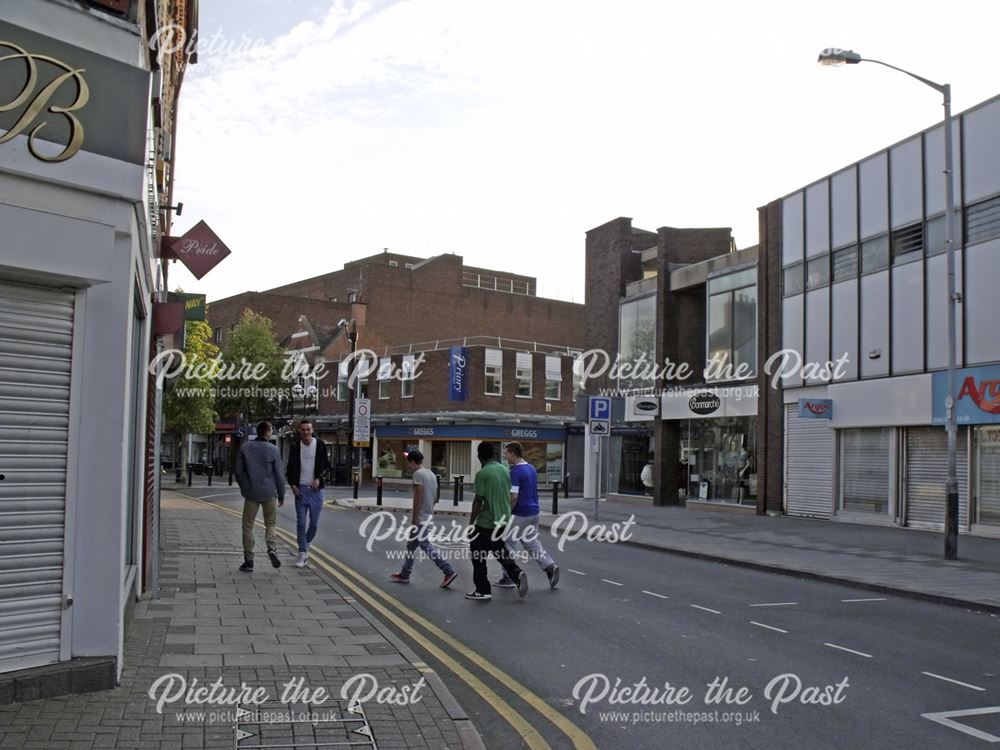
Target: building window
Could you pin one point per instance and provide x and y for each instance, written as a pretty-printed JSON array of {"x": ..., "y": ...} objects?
[
  {"x": 794, "y": 280},
  {"x": 577, "y": 373},
  {"x": 982, "y": 221},
  {"x": 523, "y": 375},
  {"x": 637, "y": 342},
  {"x": 845, "y": 263},
  {"x": 553, "y": 378},
  {"x": 384, "y": 376},
  {"x": 907, "y": 243},
  {"x": 409, "y": 374},
  {"x": 494, "y": 372},
  {"x": 864, "y": 470},
  {"x": 875, "y": 254},
  {"x": 217, "y": 335},
  {"x": 818, "y": 272},
  {"x": 732, "y": 328}
]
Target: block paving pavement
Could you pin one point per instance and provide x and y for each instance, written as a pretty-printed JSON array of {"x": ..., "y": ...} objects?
[{"x": 263, "y": 629}]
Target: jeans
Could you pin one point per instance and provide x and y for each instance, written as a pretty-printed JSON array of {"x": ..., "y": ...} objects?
[
  {"x": 526, "y": 533},
  {"x": 419, "y": 539},
  {"x": 482, "y": 544},
  {"x": 309, "y": 502},
  {"x": 250, "y": 508}
]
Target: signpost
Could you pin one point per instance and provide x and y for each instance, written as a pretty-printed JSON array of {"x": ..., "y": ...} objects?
[
  {"x": 599, "y": 422},
  {"x": 362, "y": 422}
]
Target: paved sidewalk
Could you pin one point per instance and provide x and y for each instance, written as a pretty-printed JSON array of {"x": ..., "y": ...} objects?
[
  {"x": 890, "y": 559},
  {"x": 262, "y": 630}
]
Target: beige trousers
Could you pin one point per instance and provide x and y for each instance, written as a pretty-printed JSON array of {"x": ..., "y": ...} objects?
[{"x": 270, "y": 524}]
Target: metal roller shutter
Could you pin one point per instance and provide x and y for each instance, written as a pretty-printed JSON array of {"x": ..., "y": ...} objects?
[
  {"x": 926, "y": 469},
  {"x": 808, "y": 465},
  {"x": 36, "y": 344},
  {"x": 865, "y": 474},
  {"x": 988, "y": 463}
]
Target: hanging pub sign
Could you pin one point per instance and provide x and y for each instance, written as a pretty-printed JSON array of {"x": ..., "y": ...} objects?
[
  {"x": 457, "y": 380},
  {"x": 199, "y": 249}
]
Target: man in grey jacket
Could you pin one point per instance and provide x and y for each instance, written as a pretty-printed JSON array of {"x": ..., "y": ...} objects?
[{"x": 260, "y": 474}]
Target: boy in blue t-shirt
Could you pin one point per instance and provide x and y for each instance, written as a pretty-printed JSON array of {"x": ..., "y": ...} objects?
[{"x": 524, "y": 522}]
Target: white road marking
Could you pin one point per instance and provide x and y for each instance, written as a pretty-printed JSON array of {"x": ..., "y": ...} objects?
[
  {"x": 769, "y": 627},
  {"x": 880, "y": 599},
  {"x": 653, "y": 593},
  {"x": 945, "y": 718},
  {"x": 776, "y": 604},
  {"x": 579, "y": 573},
  {"x": 848, "y": 650},
  {"x": 954, "y": 682},
  {"x": 613, "y": 583},
  {"x": 706, "y": 609}
]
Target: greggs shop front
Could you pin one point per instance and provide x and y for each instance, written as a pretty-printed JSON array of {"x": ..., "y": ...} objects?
[{"x": 451, "y": 450}]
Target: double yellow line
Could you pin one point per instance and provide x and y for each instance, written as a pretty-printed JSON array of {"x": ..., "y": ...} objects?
[{"x": 411, "y": 623}]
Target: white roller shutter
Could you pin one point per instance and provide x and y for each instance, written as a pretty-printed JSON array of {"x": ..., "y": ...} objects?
[
  {"x": 808, "y": 465},
  {"x": 36, "y": 345},
  {"x": 924, "y": 481}
]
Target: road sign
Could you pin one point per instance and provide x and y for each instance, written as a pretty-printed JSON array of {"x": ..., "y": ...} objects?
[
  {"x": 362, "y": 421},
  {"x": 600, "y": 408},
  {"x": 600, "y": 427}
]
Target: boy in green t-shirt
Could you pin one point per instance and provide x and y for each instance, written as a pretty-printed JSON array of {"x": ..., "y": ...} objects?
[{"x": 490, "y": 515}]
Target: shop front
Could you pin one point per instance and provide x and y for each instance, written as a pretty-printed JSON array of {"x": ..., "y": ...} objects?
[
  {"x": 718, "y": 441},
  {"x": 452, "y": 449}
]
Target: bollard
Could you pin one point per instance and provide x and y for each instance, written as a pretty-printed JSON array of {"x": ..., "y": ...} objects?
[
  {"x": 456, "y": 491},
  {"x": 566, "y": 487},
  {"x": 211, "y": 471},
  {"x": 230, "y": 476},
  {"x": 190, "y": 475},
  {"x": 555, "y": 498},
  {"x": 378, "y": 490},
  {"x": 356, "y": 481},
  {"x": 438, "y": 497}
]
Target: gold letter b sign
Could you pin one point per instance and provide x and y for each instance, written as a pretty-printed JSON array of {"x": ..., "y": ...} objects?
[{"x": 35, "y": 103}]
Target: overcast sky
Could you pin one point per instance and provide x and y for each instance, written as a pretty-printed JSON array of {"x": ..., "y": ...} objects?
[{"x": 503, "y": 131}]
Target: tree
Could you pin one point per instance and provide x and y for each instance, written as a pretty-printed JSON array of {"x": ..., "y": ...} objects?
[
  {"x": 188, "y": 407},
  {"x": 252, "y": 363}
]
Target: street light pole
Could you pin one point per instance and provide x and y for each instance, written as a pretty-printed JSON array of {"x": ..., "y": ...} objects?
[
  {"x": 352, "y": 337},
  {"x": 833, "y": 56}
]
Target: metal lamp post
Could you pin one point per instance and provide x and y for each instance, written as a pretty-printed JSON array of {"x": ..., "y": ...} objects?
[{"x": 833, "y": 56}]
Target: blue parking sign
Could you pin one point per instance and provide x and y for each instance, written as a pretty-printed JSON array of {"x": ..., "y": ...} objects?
[{"x": 600, "y": 408}]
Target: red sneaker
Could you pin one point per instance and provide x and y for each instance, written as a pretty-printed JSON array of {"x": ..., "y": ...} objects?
[
  {"x": 448, "y": 579},
  {"x": 400, "y": 578}
]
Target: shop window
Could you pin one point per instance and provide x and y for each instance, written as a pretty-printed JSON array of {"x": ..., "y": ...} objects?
[
  {"x": 907, "y": 243},
  {"x": 845, "y": 263},
  {"x": 875, "y": 254},
  {"x": 494, "y": 372},
  {"x": 988, "y": 475},
  {"x": 794, "y": 280},
  {"x": 384, "y": 376},
  {"x": 392, "y": 458},
  {"x": 553, "y": 378},
  {"x": 982, "y": 221},
  {"x": 409, "y": 374},
  {"x": 523, "y": 374},
  {"x": 864, "y": 470},
  {"x": 818, "y": 272}
]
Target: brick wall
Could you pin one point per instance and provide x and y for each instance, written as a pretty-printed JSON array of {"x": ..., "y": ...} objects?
[{"x": 770, "y": 408}]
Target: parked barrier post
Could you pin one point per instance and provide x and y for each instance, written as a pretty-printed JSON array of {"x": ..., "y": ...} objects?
[
  {"x": 378, "y": 490},
  {"x": 555, "y": 498}
]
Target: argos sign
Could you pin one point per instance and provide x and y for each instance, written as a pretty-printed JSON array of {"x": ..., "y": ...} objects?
[
  {"x": 816, "y": 408},
  {"x": 977, "y": 400}
]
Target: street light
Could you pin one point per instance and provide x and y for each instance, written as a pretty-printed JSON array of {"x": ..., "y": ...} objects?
[{"x": 834, "y": 56}]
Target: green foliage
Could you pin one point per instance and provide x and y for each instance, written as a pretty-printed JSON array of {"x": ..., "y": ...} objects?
[
  {"x": 188, "y": 406},
  {"x": 254, "y": 356}
]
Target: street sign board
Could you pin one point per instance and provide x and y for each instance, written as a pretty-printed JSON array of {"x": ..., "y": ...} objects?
[
  {"x": 362, "y": 421},
  {"x": 600, "y": 408},
  {"x": 600, "y": 427}
]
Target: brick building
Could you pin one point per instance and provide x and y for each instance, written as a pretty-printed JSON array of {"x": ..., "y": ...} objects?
[
  {"x": 412, "y": 316},
  {"x": 687, "y": 297}
]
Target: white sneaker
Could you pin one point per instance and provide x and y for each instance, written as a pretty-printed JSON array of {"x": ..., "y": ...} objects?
[{"x": 303, "y": 559}]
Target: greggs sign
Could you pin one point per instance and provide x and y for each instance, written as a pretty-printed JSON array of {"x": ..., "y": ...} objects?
[{"x": 977, "y": 400}]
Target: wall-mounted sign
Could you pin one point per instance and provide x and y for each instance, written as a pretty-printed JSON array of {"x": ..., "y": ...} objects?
[
  {"x": 199, "y": 249},
  {"x": 457, "y": 380},
  {"x": 194, "y": 304},
  {"x": 63, "y": 99},
  {"x": 816, "y": 408},
  {"x": 641, "y": 408},
  {"x": 977, "y": 400},
  {"x": 704, "y": 404}
]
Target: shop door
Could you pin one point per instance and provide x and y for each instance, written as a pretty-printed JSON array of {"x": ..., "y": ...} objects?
[
  {"x": 924, "y": 478},
  {"x": 36, "y": 346},
  {"x": 808, "y": 465},
  {"x": 988, "y": 475}
]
